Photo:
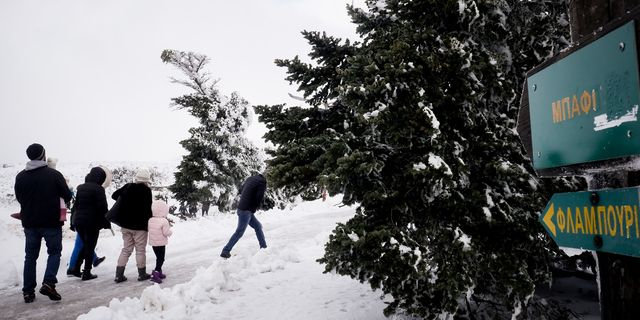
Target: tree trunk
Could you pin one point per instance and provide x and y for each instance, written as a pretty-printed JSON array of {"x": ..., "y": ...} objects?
[
  {"x": 586, "y": 16},
  {"x": 619, "y": 275}
]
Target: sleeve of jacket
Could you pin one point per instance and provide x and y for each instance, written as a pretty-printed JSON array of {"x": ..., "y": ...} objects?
[
  {"x": 166, "y": 228},
  {"x": 17, "y": 190},
  {"x": 63, "y": 189},
  {"x": 103, "y": 207},
  {"x": 148, "y": 200},
  {"x": 117, "y": 193},
  {"x": 260, "y": 190}
]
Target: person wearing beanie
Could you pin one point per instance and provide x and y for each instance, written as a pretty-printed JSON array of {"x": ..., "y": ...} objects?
[
  {"x": 36, "y": 152},
  {"x": 88, "y": 217},
  {"x": 133, "y": 214},
  {"x": 159, "y": 233},
  {"x": 38, "y": 189}
]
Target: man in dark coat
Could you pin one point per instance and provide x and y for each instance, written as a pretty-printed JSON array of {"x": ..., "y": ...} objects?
[
  {"x": 88, "y": 217},
  {"x": 251, "y": 195},
  {"x": 38, "y": 189}
]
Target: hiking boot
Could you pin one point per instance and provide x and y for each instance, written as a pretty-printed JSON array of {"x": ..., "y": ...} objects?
[
  {"x": 225, "y": 254},
  {"x": 142, "y": 274},
  {"x": 162, "y": 275},
  {"x": 29, "y": 297},
  {"x": 86, "y": 275},
  {"x": 74, "y": 273},
  {"x": 155, "y": 277},
  {"x": 120, "y": 275},
  {"x": 98, "y": 261},
  {"x": 49, "y": 290}
]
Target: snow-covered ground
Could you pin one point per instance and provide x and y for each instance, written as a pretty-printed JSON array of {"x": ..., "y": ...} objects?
[{"x": 283, "y": 281}]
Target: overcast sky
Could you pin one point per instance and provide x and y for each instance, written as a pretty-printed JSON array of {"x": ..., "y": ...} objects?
[{"x": 85, "y": 79}]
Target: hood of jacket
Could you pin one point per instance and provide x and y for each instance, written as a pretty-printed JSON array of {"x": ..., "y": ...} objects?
[
  {"x": 96, "y": 175},
  {"x": 159, "y": 209},
  {"x": 35, "y": 164}
]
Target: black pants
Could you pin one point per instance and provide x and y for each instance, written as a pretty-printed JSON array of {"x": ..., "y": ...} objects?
[
  {"x": 89, "y": 238},
  {"x": 159, "y": 251}
]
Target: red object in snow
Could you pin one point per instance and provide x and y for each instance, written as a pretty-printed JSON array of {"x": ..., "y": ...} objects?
[{"x": 16, "y": 215}]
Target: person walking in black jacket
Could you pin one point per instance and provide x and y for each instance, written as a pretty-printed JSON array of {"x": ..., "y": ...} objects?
[
  {"x": 251, "y": 195},
  {"x": 133, "y": 217},
  {"x": 38, "y": 189},
  {"x": 88, "y": 217}
]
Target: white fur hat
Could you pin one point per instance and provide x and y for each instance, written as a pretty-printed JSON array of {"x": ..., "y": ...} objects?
[
  {"x": 52, "y": 162},
  {"x": 107, "y": 180},
  {"x": 143, "y": 175}
]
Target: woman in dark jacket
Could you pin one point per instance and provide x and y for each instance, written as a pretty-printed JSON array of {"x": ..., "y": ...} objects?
[
  {"x": 133, "y": 217},
  {"x": 88, "y": 217}
]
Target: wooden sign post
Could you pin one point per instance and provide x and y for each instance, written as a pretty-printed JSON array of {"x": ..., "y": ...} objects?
[{"x": 579, "y": 116}]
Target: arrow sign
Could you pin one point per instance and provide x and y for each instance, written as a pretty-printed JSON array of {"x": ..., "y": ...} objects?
[{"x": 602, "y": 220}]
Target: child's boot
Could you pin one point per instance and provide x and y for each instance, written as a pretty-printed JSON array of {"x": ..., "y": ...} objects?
[{"x": 155, "y": 276}]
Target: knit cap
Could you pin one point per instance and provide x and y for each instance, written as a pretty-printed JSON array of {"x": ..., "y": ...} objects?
[{"x": 35, "y": 152}]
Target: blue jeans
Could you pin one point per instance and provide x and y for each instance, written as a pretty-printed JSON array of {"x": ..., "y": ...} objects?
[
  {"x": 77, "y": 250},
  {"x": 246, "y": 218},
  {"x": 33, "y": 240}
]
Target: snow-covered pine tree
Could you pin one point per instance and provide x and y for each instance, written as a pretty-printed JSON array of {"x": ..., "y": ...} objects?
[
  {"x": 219, "y": 155},
  {"x": 126, "y": 174},
  {"x": 417, "y": 124}
]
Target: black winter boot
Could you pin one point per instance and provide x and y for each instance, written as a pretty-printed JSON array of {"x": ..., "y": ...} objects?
[
  {"x": 142, "y": 274},
  {"x": 29, "y": 297},
  {"x": 120, "y": 275},
  {"x": 86, "y": 275},
  {"x": 74, "y": 271},
  {"x": 49, "y": 290},
  {"x": 98, "y": 261}
]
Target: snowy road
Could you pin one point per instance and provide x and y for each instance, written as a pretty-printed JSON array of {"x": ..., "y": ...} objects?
[
  {"x": 80, "y": 296},
  {"x": 281, "y": 282}
]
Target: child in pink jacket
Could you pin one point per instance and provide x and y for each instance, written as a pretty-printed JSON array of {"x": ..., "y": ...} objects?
[{"x": 159, "y": 232}]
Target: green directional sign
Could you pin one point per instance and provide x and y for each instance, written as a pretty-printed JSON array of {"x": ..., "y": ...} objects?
[
  {"x": 603, "y": 220},
  {"x": 584, "y": 107}
]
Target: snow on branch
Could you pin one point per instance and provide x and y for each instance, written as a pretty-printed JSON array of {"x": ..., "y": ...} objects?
[{"x": 192, "y": 65}]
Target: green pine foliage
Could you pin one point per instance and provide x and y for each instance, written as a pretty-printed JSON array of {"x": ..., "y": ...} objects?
[
  {"x": 219, "y": 155},
  {"x": 416, "y": 124}
]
